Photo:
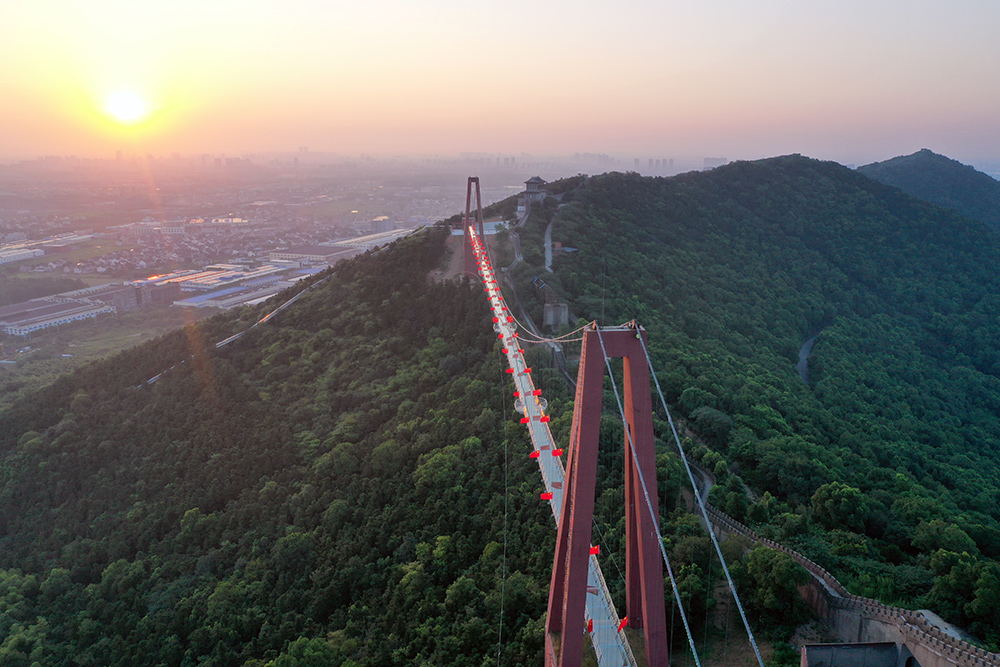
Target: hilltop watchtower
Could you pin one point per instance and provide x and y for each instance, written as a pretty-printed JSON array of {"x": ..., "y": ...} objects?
[{"x": 534, "y": 189}]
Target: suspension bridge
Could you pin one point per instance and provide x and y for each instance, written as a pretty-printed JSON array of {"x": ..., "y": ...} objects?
[
  {"x": 580, "y": 604},
  {"x": 579, "y": 600}
]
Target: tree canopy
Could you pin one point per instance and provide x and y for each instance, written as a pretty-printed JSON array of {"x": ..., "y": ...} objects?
[{"x": 731, "y": 271}]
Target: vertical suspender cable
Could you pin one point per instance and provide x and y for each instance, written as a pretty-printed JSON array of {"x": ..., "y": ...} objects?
[
  {"x": 701, "y": 505},
  {"x": 709, "y": 588},
  {"x": 649, "y": 504},
  {"x": 611, "y": 556}
]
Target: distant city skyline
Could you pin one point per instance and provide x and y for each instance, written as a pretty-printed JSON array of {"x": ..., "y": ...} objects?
[{"x": 854, "y": 82}]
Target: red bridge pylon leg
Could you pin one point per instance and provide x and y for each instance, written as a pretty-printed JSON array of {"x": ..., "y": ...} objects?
[
  {"x": 568, "y": 589},
  {"x": 644, "y": 568}
]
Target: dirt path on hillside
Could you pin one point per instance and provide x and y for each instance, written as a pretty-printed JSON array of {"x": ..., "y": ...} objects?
[{"x": 452, "y": 268}]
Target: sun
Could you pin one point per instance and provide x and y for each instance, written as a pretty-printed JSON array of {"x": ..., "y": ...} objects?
[{"x": 126, "y": 107}]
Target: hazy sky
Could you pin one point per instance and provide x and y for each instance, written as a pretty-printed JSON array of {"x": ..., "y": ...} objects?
[{"x": 854, "y": 81}]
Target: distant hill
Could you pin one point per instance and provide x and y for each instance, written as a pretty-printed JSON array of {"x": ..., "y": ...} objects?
[{"x": 940, "y": 180}]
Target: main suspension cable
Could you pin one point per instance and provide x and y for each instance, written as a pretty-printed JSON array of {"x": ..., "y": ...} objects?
[{"x": 564, "y": 338}]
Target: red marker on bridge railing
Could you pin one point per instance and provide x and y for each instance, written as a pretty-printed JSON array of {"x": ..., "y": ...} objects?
[
  {"x": 546, "y": 496},
  {"x": 534, "y": 455},
  {"x": 590, "y": 625},
  {"x": 517, "y": 394},
  {"x": 622, "y": 624},
  {"x": 510, "y": 370},
  {"x": 536, "y": 392},
  {"x": 595, "y": 550},
  {"x": 545, "y": 418},
  {"x": 495, "y": 320},
  {"x": 557, "y": 452},
  {"x": 524, "y": 420}
]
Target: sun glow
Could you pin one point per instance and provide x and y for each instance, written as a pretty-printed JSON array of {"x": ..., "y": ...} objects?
[{"x": 126, "y": 107}]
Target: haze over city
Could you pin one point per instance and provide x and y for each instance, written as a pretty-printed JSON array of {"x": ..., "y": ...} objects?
[{"x": 850, "y": 81}]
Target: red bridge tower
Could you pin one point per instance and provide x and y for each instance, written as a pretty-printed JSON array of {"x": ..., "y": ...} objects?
[
  {"x": 644, "y": 567},
  {"x": 470, "y": 266}
]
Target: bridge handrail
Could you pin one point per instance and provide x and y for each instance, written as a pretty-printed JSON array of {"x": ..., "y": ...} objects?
[{"x": 630, "y": 657}]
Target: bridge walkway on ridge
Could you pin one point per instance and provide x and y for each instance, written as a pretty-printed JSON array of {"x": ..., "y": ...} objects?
[{"x": 603, "y": 624}]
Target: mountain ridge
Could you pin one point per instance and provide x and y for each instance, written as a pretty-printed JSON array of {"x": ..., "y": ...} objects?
[
  {"x": 942, "y": 181},
  {"x": 731, "y": 271}
]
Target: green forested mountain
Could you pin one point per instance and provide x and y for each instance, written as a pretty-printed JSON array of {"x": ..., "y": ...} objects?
[
  {"x": 330, "y": 487},
  {"x": 940, "y": 180},
  {"x": 347, "y": 484},
  {"x": 885, "y": 467}
]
